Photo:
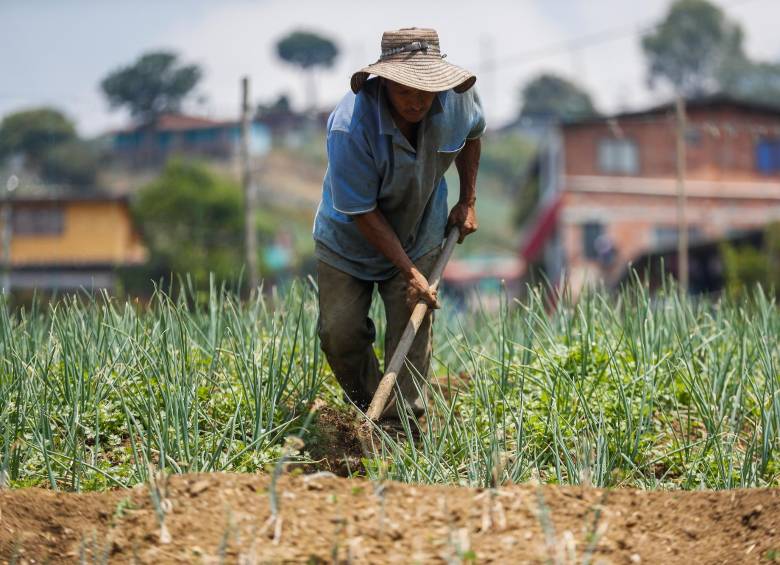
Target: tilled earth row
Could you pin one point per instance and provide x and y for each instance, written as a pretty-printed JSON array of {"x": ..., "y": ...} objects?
[{"x": 214, "y": 518}]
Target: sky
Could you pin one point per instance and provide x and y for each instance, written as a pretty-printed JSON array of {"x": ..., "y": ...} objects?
[{"x": 55, "y": 52}]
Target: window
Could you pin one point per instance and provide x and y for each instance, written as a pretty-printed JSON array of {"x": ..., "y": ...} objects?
[
  {"x": 666, "y": 236},
  {"x": 164, "y": 139},
  {"x": 49, "y": 220},
  {"x": 618, "y": 156},
  {"x": 591, "y": 231},
  {"x": 693, "y": 137},
  {"x": 768, "y": 156},
  {"x": 201, "y": 135}
]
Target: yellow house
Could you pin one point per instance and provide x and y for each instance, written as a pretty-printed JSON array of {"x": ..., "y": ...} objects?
[{"x": 70, "y": 242}]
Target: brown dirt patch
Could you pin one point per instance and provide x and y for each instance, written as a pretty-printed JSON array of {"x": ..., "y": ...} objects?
[
  {"x": 222, "y": 517},
  {"x": 336, "y": 446},
  {"x": 450, "y": 385}
]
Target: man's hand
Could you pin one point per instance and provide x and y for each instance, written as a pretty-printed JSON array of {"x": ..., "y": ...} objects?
[
  {"x": 464, "y": 216},
  {"x": 375, "y": 228},
  {"x": 418, "y": 290}
]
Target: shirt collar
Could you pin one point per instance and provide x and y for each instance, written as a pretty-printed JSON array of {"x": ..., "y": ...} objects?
[{"x": 387, "y": 125}]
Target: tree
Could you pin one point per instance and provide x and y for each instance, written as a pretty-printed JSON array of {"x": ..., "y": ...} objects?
[
  {"x": 279, "y": 107},
  {"x": 32, "y": 133},
  {"x": 690, "y": 48},
  {"x": 75, "y": 162},
  {"x": 754, "y": 81},
  {"x": 154, "y": 84},
  {"x": 308, "y": 51},
  {"x": 50, "y": 146},
  {"x": 554, "y": 98},
  {"x": 746, "y": 266},
  {"x": 192, "y": 222}
]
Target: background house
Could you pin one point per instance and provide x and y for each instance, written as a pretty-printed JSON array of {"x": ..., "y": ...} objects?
[
  {"x": 608, "y": 192},
  {"x": 66, "y": 242},
  {"x": 178, "y": 134}
]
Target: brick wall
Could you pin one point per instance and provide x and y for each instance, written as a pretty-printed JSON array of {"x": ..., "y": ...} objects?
[{"x": 721, "y": 143}]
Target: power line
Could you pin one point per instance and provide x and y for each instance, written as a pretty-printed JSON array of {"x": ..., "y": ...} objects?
[
  {"x": 586, "y": 40},
  {"x": 568, "y": 44}
]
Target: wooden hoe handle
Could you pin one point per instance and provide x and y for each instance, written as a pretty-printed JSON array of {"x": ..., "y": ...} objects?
[{"x": 387, "y": 383}]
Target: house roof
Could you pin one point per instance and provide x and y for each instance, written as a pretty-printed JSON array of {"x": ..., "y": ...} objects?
[
  {"x": 48, "y": 194},
  {"x": 174, "y": 122},
  {"x": 67, "y": 198},
  {"x": 181, "y": 122},
  {"x": 700, "y": 103}
]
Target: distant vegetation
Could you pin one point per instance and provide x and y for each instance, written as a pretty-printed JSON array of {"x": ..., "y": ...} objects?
[
  {"x": 504, "y": 164},
  {"x": 154, "y": 84},
  {"x": 49, "y": 145},
  {"x": 192, "y": 222},
  {"x": 698, "y": 50},
  {"x": 309, "y": 51},
  {"x": 747, "y": 266},
  {"x": 554, "y": 98}
]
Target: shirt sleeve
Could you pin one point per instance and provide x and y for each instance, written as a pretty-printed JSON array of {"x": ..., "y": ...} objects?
[
  {"x": 476, "y": 116},
  {"x": 354, "y": 179}
]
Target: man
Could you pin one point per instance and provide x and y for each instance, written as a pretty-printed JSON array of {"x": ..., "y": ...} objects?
[{"x": 383, "y": 213}]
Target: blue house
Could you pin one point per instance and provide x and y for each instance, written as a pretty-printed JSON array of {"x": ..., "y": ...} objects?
[{"x": 177, "y": 134}]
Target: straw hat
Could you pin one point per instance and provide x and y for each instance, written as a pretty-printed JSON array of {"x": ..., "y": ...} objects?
[{"x": 412, "y": 57}]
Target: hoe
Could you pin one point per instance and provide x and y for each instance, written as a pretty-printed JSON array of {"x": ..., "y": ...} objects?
[{"x": 385, "y": 388}]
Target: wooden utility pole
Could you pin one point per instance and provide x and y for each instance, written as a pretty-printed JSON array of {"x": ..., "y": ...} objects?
[
  {"x": 5, "y": 235},
  {"x": 6, "y": 231},
  {"x": 250, "y": 234},
  {"x": 682, "y": 220}
]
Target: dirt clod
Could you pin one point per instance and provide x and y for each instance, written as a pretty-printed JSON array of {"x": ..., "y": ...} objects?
[
  {"x": 337, "y": 447},
  {"x": 198, "y": 487}
]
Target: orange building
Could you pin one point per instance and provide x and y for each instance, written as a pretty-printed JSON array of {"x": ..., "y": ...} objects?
[{"x": 70, "y": 242}]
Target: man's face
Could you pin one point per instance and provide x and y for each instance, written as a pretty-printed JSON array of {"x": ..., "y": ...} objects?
[{"x": 411, "y": 104}]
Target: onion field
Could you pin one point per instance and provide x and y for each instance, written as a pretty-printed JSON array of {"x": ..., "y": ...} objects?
[{"x": 610, "y": 390}]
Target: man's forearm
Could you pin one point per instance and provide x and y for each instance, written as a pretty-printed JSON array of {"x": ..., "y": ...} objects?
[
  {"x": 467, "y": 163},
  {"x": 379, "y": 233}
]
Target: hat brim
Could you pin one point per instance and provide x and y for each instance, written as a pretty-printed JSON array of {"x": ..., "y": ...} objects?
[{"x": 429, "y": 75}]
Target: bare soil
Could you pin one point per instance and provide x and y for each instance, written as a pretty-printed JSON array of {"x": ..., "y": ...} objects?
[
  {"x": 336, "y": 447},
  {"x": 228, "y": 518}
]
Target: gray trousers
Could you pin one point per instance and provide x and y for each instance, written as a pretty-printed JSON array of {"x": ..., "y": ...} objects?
[{"x": 347, "y": 334}]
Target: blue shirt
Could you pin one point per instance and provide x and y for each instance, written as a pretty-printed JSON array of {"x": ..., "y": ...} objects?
[{"x": 372, "y": 165}]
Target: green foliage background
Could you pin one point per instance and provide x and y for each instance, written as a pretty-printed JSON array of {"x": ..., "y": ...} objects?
[
  {"x": 192, "y": 222},
  {"x": 307, "y": 50},
  {"x": 552, "y": 97},
  {"x": 747, "y": 266},
  {"x": 50, "y": 146},
  {"x": 153, "y": 84},
  {"x": 698, "y": 50}
]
